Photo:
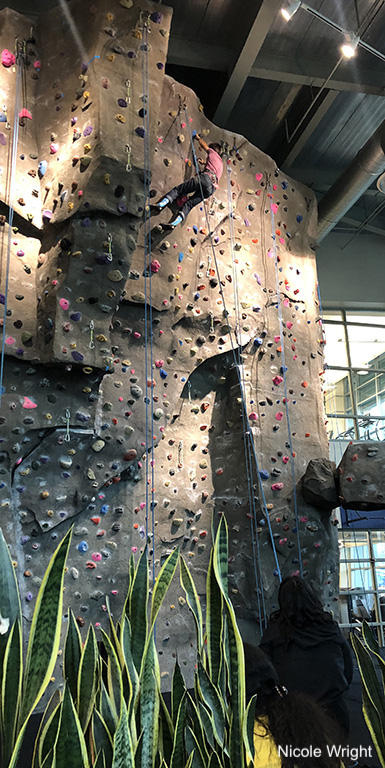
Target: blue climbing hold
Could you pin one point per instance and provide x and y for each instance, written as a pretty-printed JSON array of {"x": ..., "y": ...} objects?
[
  {"x": 104, "y": 509},
  {"x": 283, "y": 369},
  {"x": 83, "y": 546},
  {"x": 195, "y": 229},
  {"x": 163, "y": 373},
  {"x": 41, "y": 168},
  {"x": 258, "y": 341},
  {"x": 180, "y": 256},
  {"x": 263, "y": 474},
  {"x": 299, "y": 218}
]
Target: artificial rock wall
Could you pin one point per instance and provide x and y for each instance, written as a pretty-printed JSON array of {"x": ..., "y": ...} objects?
[{"x": 74, "y": 448}]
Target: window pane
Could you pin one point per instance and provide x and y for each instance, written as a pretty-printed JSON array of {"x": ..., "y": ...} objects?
[
  {"x": 378, "y": 544},
  {"x": 335, "y": 349},
  {"x": 367, "y": 346},
  {"x": 340, "y": 428},
  {"x": 371, "y": 429},
  {"x": 336, "y": 392},
  {"x": 377, "y": 318},
  {"x": 356, "y": 576},
  {"x": 353, "y": 545}
]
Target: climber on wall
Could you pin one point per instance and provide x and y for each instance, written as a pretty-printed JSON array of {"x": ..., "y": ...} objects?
[{"x": 207, "y": 180}]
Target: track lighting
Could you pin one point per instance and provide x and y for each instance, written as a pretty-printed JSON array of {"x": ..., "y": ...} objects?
[
  {"x": 350, "y": 45},
  {"x": 289, "y": 11}
]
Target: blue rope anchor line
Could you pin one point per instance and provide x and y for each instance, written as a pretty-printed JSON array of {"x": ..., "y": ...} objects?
[
  {"x": 148, "y": 302},
  {"x": 248, "y": 462},
  {"x": 19, "y": 64},
  {"x": 254, "y": 454},
  {"x": 290, "y": 441}
]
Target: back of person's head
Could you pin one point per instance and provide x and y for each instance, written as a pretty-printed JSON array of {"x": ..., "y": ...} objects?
[
  {"x": 291, "y": 719},
  {"x": 299, "y": 605},
  {"x": 216, "y": 147}
]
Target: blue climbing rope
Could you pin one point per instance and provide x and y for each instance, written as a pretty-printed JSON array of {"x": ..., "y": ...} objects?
[
  {"x": 148, "y": 329},
  {"x": 254, "y": 454},
  {"x": 284, "y": 370},
  {"x": 19, "y": 76}
]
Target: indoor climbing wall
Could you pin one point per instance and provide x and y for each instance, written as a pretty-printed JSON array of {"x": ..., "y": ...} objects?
[{"x": 125, "y": 343}]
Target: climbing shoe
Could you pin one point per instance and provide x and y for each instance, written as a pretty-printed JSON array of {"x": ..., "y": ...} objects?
[
  {"x": 178, "y": 218},
  {"x": 162, "y": 203}
]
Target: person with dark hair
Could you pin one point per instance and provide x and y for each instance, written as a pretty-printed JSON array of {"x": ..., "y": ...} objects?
[
  {"x": 202, "y": 184},
  {"x": 308, "y": 649},
  {"x": 290, "y": 728}
]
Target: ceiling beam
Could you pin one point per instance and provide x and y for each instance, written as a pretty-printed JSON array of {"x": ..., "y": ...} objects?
[
  {"x": 263, "y": 20},
  {"x": 296, "y": 147},
  {"x": 314, "y": 73}
]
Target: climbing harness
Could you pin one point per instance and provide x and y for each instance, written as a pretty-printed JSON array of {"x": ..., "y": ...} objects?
[
  {"x": 284, "y": 369},
  {"x": 19, "y": 79},
  {"x": 278, "y": 570}
]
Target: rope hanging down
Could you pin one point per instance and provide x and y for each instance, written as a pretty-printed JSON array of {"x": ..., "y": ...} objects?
[
  {"x": 284, "y": 369},
  {"x": 278, "y": 570},
  {"x": 149, "y": 401},
  {"x": 19, "y": 79}
]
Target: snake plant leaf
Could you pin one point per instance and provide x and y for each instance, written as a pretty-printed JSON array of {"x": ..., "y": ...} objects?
[
  {"x": 149, "y": 704},
  {"x": 371, "y": 642},
  {"x": 123, "y": 749},
  {"x": 192, "y": 746},
  {"x": 49, "y": 761},
  {"x": 72, "y": 655},
  {"x": 114, "y": 637},
  {"x": 114, "y": 675},
  {"x": 198, "y": 727},
  {"x": 214, "y": 761},
  {"x": 208, "y": 725},
  {"x": 125, "y": 644},
  {"x": 11, "y": 690},
  {"x": 221, "y": 557},
  {"x": 137, "y": 607},
  {"x": 70, "y": 746},
  {"x": 102, "y": 737},
  {"x": 166, "y": 730},
  {"x": 213, "y": 700},
  {"x": 162, "y": 584},
  {"x": 88, "y": 679},
  {"x": 10, "y": 609},
  {"x": 372, "y": 697},
  {"x": 248, "y": 729},
  {"x": 49, "y": 733},
  {"x": 138, "y": 752},
  {"x": 100, "y": 761},
  {"x": 44, "y": 637},
  {"x": 108, "y": 710},
  {"x": 193, "y": 601},
  {"x": 178, "y": 752},
  {"x": 238, "y": 692},
  {"x": 189, "y": 761},
  {"x": 178, "y": 689},
  {"x": 49, "y": 710},
  {"x": 214, "y": 624}
]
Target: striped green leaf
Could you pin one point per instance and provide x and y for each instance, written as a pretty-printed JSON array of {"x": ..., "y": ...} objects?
[
  {"x": 100, "y": 761},
  {"x": 214, "y": 624},
  {"x": 88, "y": 679},
  {"x": 238, "y": 692},
  {"x": 70, "y": 747},
  {"x": 48, "y": 734},
  {"x": 192, "y": 747},
  {"x": 11, "y": 691},
  {"x": 72, "y": 655},
  {"x": 372, "y": 697},
  {"x": 214, "y": 761},
  {"x": 198, "y": 726},
  {"x": 207, "y": 724},
  {"x": 138, "y": 752},
  {"x": 149, "y": 704},
  {"x": 178, "y": 752},
  {"x": 126, "y": 682},
  {"x": 108, "y": 710},
  {"x": 101, "y": 737},
  {"x": 125, "y": 644},
  {"x": 44, "y": 637},
  {"x": 162, "y": 584},
  {"x": 189, "y": 761},
  {"x": 137, "y": 605},
  {"x": 178, "y": 689},
  {"x": 49, "y": 710},
  {"x": 371, "y": 642},
  {"x": 10, "y": 609},
  {"x": 221, "y": 557},
  {"x": 166, "y": 731},
  {"x": 114, "y": 675},
  {"x": 248, "y": 729},
  {"x": 212, "y": 699},
  {"x": 49, "y": 761},
  {"x": 123, "y": 749},
  {"x": 193, "y": 601},
  {"x": 375, "y": 726}
]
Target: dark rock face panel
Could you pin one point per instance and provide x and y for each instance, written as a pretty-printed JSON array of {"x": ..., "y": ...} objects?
[
  {"x": 121, "y": 412},
  {"x": 320, "y": 484},
  {"x": 361, "y": 476}
]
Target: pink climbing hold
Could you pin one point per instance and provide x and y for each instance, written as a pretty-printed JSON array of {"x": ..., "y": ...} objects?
[
  {"x": 270, "y": 253},
  {"x": 155, "y": 265},
  {"x": 136, "y": 335},
  {"x": 277, "y": 487},
  {"x": 96, "y": 556},
  {"x": 253, "y": 416},
  {"x": 259, "y": 176},
  {"x": 29, "y": 404},
  {"x": 274, "y": 207},
  {"x": 277, "y": 339},
  {"x": 24, "y": 113},
  {"x": 159, "y": 363},
  {"x": 279, "y": 416},
  {"x": 53, "y": 148},
  {"x": 10, "y": 340},
  {"x": 289, "y": 325},
  {"x": 285, "y": 459},
  {"x": 64, "y": 303},
  {"x": 7, "y": 58},
  {"x": 277, "y": 380},
  {"x": 286, "y": 303},
  {"x": 37, "y": 64},
  {"x": 134, "y": 549}
]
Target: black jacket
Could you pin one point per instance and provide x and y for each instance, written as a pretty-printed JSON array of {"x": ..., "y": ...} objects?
[{"x": 317, "y": 661}]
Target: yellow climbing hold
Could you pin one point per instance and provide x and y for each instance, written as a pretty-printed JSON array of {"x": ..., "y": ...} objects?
[
  {"x": 106, "y": 178},
  {"x": 120, "y": 118},
  {"x": 70, "y": 206},
  {"x": 137, "y": 33},
  {"x": 86, "y": 95},
  {"x": 87, "y": 148},
  {"x": 87, "y": 369}
]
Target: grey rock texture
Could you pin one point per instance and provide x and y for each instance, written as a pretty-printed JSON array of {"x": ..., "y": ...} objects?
[
  {"x": 361, "y": 476},
  {"x": 320, "y": 484},
  {"x": 98, "y": 430}
]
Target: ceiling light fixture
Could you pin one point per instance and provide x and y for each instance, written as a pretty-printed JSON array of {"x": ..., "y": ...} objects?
[
  {"x": 289, "y": 11},
  {"x": 350, "y": 45}
]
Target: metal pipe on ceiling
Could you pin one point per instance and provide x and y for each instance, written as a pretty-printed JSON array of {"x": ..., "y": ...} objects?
[{"x": 352, "y": 183}]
